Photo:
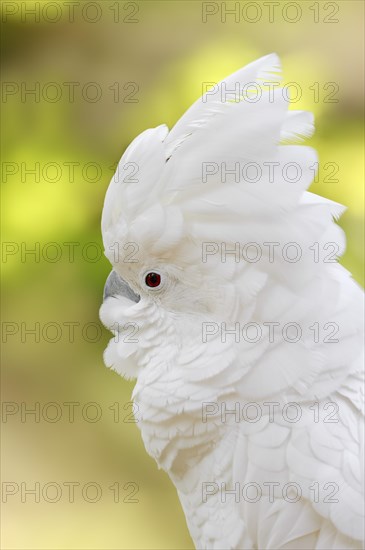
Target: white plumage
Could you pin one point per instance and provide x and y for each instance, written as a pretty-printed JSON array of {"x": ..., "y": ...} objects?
[{"x": 237, "y": 474}]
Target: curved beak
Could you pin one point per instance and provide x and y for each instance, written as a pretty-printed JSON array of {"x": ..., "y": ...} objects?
[{"x": 116, "y": 286}]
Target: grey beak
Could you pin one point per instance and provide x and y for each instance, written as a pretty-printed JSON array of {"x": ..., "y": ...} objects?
[{"x": 116, "y": 286}]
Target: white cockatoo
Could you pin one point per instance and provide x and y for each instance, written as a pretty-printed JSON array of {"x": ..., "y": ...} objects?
[{"x": 243, "y": 332}]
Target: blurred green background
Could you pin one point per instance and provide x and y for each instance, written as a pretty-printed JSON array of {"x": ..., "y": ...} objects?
[{"x": 131, "y": 66}]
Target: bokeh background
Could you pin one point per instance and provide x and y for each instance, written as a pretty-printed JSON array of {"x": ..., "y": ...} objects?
[{"x": 131, "y": 65}]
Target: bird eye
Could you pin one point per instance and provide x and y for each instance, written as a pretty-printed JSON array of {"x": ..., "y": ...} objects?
[{"x": 153, "y": 279}]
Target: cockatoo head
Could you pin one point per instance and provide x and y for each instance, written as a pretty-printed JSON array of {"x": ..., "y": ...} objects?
[{"x": 182, "y": 206}]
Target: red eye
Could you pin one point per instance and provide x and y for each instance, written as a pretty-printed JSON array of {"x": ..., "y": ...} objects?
[{"x": 153, "y": 279}]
